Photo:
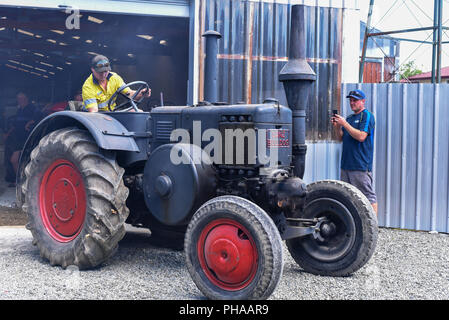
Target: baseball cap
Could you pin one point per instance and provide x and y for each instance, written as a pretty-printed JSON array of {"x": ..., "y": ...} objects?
[
  {"x": 101, "y": 63},
  {"x": 356, "y": 94}
]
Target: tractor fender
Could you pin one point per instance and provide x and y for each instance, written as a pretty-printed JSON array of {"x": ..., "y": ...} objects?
[{"x": 108, "y": 133}]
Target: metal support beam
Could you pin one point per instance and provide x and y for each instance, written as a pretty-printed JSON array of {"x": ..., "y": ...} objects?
[
  {"x": 400, "y": 31},
  {"x": 405, "y": 39},
  {"x": 380, "y": 34},
  {"x": 365, "y": 41},
  {"x": 434, "y": 45},
  {"x": 440, "y": 36}
]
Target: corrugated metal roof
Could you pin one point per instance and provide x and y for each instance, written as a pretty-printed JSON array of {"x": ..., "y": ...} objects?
[
  {"x": 428, "y": 75},
  {"x": 169, "y": 8}
]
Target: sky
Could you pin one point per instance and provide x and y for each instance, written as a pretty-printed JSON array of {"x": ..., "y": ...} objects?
[{"x": 389, "y": 15}]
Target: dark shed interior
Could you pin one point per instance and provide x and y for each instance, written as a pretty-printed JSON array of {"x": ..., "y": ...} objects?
[{"x": 46, "y": 55}]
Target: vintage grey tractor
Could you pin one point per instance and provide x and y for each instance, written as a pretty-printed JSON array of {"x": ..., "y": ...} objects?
[{"x": 224, "y": 181}]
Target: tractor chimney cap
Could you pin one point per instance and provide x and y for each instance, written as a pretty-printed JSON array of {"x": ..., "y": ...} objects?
[
  {"x": 297, "y": 69},
  {"x": 212, "y": 33}
]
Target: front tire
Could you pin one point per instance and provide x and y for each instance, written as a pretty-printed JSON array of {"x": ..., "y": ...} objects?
[
  {"x": 75, "y": 200},
  {"x": 233, "y": 250},
  {"x": 348, "y": 237}
]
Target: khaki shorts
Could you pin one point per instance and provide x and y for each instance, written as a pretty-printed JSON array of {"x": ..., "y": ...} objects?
[{"x": 362, "y": 180}]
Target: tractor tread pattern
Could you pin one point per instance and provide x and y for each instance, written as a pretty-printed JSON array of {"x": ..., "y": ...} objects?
[{"x": 106, "y": 194}]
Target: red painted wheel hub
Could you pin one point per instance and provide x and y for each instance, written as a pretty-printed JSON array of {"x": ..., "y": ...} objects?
[
  {"x": 228, "y": 254},
  {"x": 62, "y": 200}
]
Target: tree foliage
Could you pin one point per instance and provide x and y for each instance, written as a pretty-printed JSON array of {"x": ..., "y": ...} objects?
[{"x": 409, "y": 69}]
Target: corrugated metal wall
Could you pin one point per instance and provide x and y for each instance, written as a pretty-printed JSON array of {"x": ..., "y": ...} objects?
[
  {"x": 411, "y": 168},
  {"x": 322, "y": 161},
  {"x": 254, "y": 49}
]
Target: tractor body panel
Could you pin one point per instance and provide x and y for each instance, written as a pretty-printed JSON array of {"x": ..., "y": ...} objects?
[{"x": 270, "y": 122}]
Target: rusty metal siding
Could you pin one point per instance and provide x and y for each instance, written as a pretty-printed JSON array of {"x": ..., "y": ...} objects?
[
  {"x": 324, "y": 55},
  {"x": 389, "y": 69},
  {"x": 372, "y": 72},
  {"x": 254, "y": 49}
]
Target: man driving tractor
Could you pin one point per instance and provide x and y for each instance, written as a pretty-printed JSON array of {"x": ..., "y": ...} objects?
[{"x": 102, "y": 84}]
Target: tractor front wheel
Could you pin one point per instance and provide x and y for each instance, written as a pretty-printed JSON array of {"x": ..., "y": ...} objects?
[
  {"x": 347, "y": 234},
  {"x": 233, "y": 250},
  {"x": 75, "y": 200}
]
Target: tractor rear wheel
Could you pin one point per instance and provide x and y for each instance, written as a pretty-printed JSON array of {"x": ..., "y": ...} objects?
[
  {"x": 233, "y": 250},
  {"x": 348, "y": 233},
  {"x": 75, "y": 200}
]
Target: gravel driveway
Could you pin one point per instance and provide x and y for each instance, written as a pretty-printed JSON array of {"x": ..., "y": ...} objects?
[{"x": 406, "y": 265}]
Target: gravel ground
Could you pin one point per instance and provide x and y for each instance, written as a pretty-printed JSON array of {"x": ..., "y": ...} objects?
[
  {"x": 12, "y": 217},
  {"x": 406, "y": 265}
]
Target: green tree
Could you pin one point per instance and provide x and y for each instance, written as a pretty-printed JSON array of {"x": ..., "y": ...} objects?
[{"x": 409, "y": 69}]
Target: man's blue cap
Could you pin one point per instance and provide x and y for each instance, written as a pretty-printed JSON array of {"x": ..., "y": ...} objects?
[{"x": 356, "y": 94}]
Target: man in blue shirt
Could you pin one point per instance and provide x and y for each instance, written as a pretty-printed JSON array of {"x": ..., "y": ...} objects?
[{"x": 357, "y": 134}]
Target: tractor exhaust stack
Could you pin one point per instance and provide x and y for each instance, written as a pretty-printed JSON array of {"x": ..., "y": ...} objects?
[
  {"x": 297, "y": 77},
  {"x": 211, "y": 66}
]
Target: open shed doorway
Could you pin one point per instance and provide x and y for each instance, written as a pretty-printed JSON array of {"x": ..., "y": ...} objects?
[{"x": 49, "y": 62}]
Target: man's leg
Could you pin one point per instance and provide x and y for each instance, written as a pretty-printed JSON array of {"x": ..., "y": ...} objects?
[
  {"x": 374, "y": 207},
  {"x": 363, "y": 181},
  {"x": 344, "y": 176},
  {"x": 15, "y": 160}
]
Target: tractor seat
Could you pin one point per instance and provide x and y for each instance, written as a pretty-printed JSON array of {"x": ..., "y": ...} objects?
[{"x": 75, "y": 105}]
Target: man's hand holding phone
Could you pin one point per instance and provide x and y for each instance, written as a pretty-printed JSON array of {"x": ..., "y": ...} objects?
[{"x": 334, "y": 114}]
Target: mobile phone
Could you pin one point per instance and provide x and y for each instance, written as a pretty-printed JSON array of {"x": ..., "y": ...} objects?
[{"x": 334, "y": 112}]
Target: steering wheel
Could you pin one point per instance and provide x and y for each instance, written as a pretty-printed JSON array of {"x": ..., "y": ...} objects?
[{"x": 123, "y": 107}]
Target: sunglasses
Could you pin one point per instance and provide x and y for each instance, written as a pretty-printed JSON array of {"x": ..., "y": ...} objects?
[
  {"x": 102, "y": 65},
  {"x": 354, "y": 93}
]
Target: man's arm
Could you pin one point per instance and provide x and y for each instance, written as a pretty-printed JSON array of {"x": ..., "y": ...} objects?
[
  {"x": 129, "y": 92},
  {"x": 92, "y": 109},
  {"x": 341, "y": 122},
  {"x": 145, "y": 92},
  {"x": 89, "y": 100},
  {"x": 338, "y": 131}
]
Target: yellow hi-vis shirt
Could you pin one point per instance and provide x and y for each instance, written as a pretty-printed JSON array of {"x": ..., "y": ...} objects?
[{"x": 95, "y": 95}]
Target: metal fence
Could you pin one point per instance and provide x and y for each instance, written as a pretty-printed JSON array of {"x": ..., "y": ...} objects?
[{"x": 411, "y": 163}]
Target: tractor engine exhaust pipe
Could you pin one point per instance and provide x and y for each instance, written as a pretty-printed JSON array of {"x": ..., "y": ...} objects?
[
  {"x": 297, "y": 77},
  {"x": 211, "y": 66}
]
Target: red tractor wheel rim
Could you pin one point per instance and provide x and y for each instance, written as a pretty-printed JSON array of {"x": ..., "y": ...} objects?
[
  {"x": 228, "y": 254},
  {"x": 62, "y": 201}
]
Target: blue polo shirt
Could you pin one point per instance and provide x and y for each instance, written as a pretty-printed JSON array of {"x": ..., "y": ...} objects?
[{"x": 358, "y": 156}]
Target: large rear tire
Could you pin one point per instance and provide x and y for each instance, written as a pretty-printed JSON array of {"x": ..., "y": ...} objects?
[
  {"x": 348, "y": 235},
  {"x": 233, "y": 250},
  {"x": 75, "y": 200}
]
